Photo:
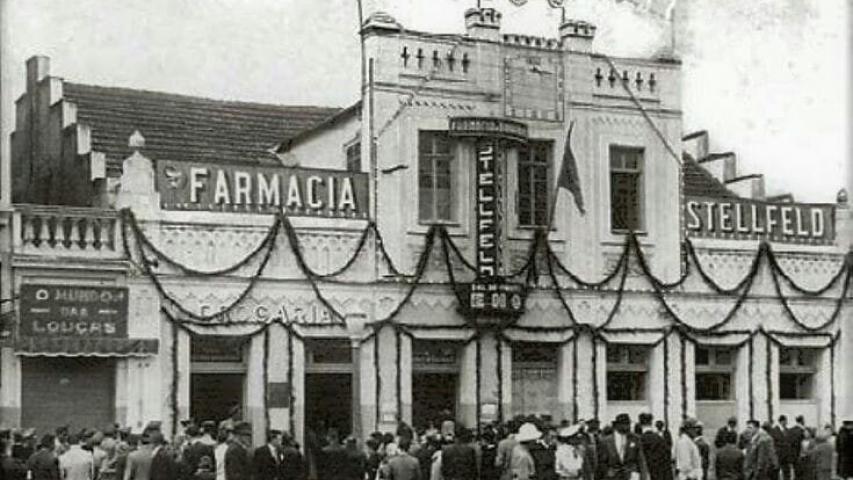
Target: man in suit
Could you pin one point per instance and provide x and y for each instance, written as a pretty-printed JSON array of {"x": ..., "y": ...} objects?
[
  {"x": 729, "y": 458},
  {"x": 620, "y": 456},
  {"x": 164, "y": 465},
  {"x": 195, "y": 450},
  {"x": 761, "y": 461},
  {"x": 657, "y": 453},
  {"x": 292, "y": 463},
  {"x": 688, "y": 461},
  {"x": 237, "y": 466},
  {"x": 729, "y": 427},
  {"x": 266, "y": 462},
  {"x": 138, "y": 463},
  {"x": 794, "y": 443},
  {"x": 459, "y": 461},
  {"x": 43, "y": 465},
  {"x": 779, "y": 434}
]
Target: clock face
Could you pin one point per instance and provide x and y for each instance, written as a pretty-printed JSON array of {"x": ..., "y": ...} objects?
[{"x": 533, "y": 87}]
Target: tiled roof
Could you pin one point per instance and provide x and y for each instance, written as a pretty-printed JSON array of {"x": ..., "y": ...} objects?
[
  {"x": 698, "y": 182},
  {"x": 179, "y": 127}
]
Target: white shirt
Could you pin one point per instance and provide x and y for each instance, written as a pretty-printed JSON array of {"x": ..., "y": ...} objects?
[
  {"x": 620, "y": 440},
  {"x": 688, "y": 462},
  {"x": 568, "y": 462},
  {"x": 219, "y": 454},
  {"x": 77, "y": 464}
]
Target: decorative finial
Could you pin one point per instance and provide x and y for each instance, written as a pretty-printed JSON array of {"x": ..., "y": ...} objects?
[
  {"x": 841, "y": 198},
  {"x": 136, "y": 140}
]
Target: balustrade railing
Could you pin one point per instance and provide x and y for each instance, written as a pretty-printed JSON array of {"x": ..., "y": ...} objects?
[{"x": 69, "y": 229}]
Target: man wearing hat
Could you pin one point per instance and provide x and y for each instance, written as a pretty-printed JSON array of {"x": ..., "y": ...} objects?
[
  {"x": 138, "y": 464},
  {"x": 620, "y": 456},
  {"x": 194, "y": 451},
  {"x": 43, "y": 464},
  {"x": 164, "y": 465},
  {"x": 655, "y": 449},
  {"x": 761, "y": 462},
  {"x": 688, "y": 461},
  {"x": 237, "y": 465},
  {"x": 522, "y": 466}
]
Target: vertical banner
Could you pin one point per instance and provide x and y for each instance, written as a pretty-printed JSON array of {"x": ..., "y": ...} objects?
[{"x": 488, "y": 209}]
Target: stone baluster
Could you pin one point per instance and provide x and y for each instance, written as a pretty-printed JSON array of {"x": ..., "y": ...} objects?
[
  {"x": 44, "y": 232},
  {"x": 28, "y": 232},
  {"x": 73, "y": 239},
  {"x": 108, "y": 225},
  {"x": 88, "y": 233}
]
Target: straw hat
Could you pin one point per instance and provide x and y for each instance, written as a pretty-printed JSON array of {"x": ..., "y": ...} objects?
[
  {"x": 569, "y": 432},
  {"x": 527, "y": 432}
]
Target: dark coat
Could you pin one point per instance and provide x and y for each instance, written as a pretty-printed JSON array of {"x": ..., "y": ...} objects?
[
  {"x": 794, "y": 443},
  {"x": 544, "y": 458},
  {"x": 265, "y": 465},
  {"x": 237, "y": 466},
  {"x": 729, "y": 463},
  {"x": 192, "y": 457},
  {"x": 458, "y": 462},
  {"x": 611, "y": 467},
  {"x": 332, "y": 463},
  {"x": 43, "y": 465},
  {"x": 164, "y": 465},
  {"x": 292, "y": 464},
  {"x": 658, "y": 456}
]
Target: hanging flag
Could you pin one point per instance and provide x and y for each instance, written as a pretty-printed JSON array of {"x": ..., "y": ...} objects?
[{"x": 568, "y": 178}]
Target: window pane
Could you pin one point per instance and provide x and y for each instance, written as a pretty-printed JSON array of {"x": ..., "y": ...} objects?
[
  {"x": 703, "y": 356},
  {"x": 795, "y": 386},
  {"x": 624, "y": 198},
  {"x": 434, "y": 176},
  {"x": 534, "y": 352},
  {"x": 637, "y": 355},
  {"x": 615, "y": 354},
  {"x": 723, "y": 356},
  {"x": 425, "y": 204},
  {"x": 626, "y": 385},
  {"x": 533, "y": 164},
  {"x": 713, "y": 386}
]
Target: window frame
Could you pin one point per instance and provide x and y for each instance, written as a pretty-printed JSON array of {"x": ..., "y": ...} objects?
[
  {"x": 639, "y": 173},
  {"x": 452, "y": 157},
  {"x": 523, "y": 159},
  {"x": 808, "y": 371},
  {"x": 625, "y": 366},
  {"x": 352, "y": 145},
  {"x": 715, "y": 368}
]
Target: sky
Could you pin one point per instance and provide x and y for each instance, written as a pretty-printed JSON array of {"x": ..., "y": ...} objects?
[{"x": 768, "y": 79}]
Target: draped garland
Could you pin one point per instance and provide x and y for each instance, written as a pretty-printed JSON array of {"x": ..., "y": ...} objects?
[
  {"x": 291, "y": 400},
  {"x": 149, "y": 256},
  {"x": 666, "y": 380},
  {"x": 683, "y": 365},
  {"x": 767, "y": 374},
  {"x": 575, "y": 412},
  {"x": 751, "y": 378},
  {"x": 266, "y": 369},
  {"x": 173, "y": 388},
  {"x": 500, "y": 372}
]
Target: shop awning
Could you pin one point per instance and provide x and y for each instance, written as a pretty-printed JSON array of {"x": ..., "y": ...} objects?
[{"x": 85, "y": 347}]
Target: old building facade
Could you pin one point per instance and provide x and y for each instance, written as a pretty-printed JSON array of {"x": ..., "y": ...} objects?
[{"x": 407, "y": 258}]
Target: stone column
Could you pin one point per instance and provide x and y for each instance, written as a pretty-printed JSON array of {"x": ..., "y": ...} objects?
[
  {"x": 10, "y": 393},
  {"x": 489, "y": 380},
  {"x": 277, "y": 364},
  {"x": 298, "y": 389},
  {"x": 467, "y": 412},
  {"x": 565, "y": 376},
  {"x": 367, "y": 390},
  {"x": 254, "y": 403}
]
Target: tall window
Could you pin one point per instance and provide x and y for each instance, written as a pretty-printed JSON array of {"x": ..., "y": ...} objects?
[
  {"x": 797, "y": 369},
  {"x": 626, "y": 176},
  {"x": 714, "y": 371},
  {"x": 627, "y": 369},
  {"x": 533, "y": 165},
  {"x": 434, "y": 177},
  {"x": 354, "y": 157}
]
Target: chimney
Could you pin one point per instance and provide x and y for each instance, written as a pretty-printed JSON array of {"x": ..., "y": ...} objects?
[
  {"x": 38, "y": 67},
  {"x": 483, "y": 23},
  {"x": 577, "y": 35}
]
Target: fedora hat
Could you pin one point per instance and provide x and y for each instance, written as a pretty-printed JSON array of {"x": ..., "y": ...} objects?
[{"x": 527, "y": 432}]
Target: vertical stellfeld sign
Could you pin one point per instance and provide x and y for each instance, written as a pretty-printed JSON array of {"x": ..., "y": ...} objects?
[{"x": 488, "y": 208}]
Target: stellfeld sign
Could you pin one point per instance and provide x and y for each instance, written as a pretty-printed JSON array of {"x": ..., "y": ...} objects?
[
  {"x": 740, "y": 218},
  {"x": 73, "y": 311},
  {"x": 488, "y": 207},
  {"x": 256, "y": 189}
]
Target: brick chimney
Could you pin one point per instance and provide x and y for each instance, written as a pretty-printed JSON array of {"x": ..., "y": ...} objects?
[
  {"x": 483, "y": 23},
  {"x": 577, "y": 35}
]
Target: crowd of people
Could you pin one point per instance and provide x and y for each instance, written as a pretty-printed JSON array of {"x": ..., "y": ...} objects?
[{"x": 524, "y": 448}]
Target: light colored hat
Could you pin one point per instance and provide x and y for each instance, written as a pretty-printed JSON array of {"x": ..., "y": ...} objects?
[
  {"x": 570, "y": 431},
  {"x": 527, "y": 432}
]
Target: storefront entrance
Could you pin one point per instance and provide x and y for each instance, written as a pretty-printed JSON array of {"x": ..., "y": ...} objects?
[
  {"x": 328, "y": 402},
  {"x": 435, "y": 382},
  {"x": 213, "y": 395},
  {"x": 217, "y": 376},
  {"x": 78, "y": 392},
  {"x": 433, "y": 398}
]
